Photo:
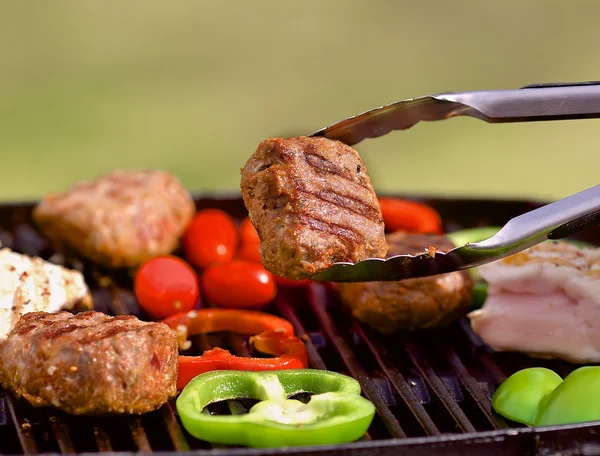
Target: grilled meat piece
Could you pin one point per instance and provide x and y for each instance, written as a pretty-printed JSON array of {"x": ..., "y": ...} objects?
[
  {"x": 411, "y": 304},
  {"x": 32, "y": 284},
  {"x": 312, "y": 203},
  {"x": 90, "y": 363},
  {"x": 544, "y": 301},
  {"x": 119, "y": 220}
]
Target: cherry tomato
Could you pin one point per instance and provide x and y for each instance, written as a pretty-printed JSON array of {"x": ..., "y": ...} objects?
[
  {"x": 241, "y": 284},
  {"x": 250, "y": 252},
  {"x": 412, "y": 216},
  {"x": 248, "y": 234},
  {"x": 165, "y": 286},
  {"x": 290, "y": 283},
  {"x": 211, "y": 238}
]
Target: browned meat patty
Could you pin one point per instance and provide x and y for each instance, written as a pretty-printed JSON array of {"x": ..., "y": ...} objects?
[
  {"x": 312, "y": 203},
  {"x": 414, "y": 303},
  {"x": 90, "y": 363},
  {"x": 118, "y": 220}
]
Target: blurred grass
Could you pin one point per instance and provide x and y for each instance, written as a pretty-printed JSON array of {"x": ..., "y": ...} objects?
[{"x": 193, "y": 86}]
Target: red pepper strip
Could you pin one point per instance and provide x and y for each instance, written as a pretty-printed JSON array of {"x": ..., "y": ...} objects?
[
  {"x": 411, "y": 216},
  {"x": 290, "y": 352},
  {"x": 274, "y": 336},
  {"x": 247, "y": 322}
]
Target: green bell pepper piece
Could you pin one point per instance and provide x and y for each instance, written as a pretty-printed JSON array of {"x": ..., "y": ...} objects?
[
  {"x": 575, "y": 400},
  {"x": 335, "y": 414},
  {"x": 520, "y": 394},
  {"x": 539, "y": 397}
]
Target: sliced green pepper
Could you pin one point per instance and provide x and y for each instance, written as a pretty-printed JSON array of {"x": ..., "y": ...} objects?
[
  {"x": 335, "y": 414},
  {"x": 538, "y": 397},
  {"x": 575, "y": 400},
  {"x": 518, "y": 397}
]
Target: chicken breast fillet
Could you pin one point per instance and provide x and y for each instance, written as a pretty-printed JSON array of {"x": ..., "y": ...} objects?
[
  {"x": 545, "y": 302},
  {"x": 412, "y": 304},
  {"x": 312, "y": 203},
  {"x": 32, "y": 284},
  {"x": 119, "y": 220}
]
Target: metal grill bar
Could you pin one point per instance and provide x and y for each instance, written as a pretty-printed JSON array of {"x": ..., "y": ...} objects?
[
  {"x": 285, "y": 309},
  {"x": 398, "y": 381},
  {"x": 63, "y": 438},
  {"x": 470, "y": 385},
  {"x": 139, "y": 435},
  {"x": 174, "y": 429},
  {"x": 317, "y": 300},
  {"x": 23, "y": 429},
  {"x": 437, "y": 385},
  {"x": 101, "y": 437}
]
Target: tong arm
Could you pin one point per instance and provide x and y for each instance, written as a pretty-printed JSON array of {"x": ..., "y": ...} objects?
[{"x": 531, "y": 103}]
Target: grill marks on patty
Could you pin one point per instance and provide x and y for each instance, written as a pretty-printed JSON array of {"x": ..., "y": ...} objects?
[
  {"x": 313, "y": 204},
  {"x": 90, "y": 363}
]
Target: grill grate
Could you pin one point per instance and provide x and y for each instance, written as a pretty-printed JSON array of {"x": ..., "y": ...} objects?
[{"x": 431, "y": 389}]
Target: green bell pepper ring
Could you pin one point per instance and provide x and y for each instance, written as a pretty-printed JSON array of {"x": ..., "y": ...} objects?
[
  {"x": 539, "y": 397},
  {"x": 335, "y": 414}
]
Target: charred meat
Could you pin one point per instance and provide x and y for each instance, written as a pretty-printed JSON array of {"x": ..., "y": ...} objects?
[
  {"x": 32, "y": 284},
  {"x": 544, "y": 301},
  {"x": 411, "y": 304},
  {"x": 119, "y": 220},
  {"x": 313, "y": 204},
  {"x": 90, "y": 363}
]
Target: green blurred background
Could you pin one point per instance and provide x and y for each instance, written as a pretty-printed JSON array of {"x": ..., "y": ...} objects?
[{"x": 193, "y": 86}]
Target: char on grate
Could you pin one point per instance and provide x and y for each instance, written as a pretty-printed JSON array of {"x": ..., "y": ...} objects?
[{"x": 432, "y": 390}]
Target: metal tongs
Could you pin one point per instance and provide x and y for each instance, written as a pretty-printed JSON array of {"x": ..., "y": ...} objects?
[{"x": 556, "y": 220}]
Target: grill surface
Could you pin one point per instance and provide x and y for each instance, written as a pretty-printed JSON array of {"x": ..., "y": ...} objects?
[{"x": 431, "y": 389}]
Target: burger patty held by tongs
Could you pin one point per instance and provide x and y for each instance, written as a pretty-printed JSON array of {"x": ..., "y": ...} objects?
[{"x": 312, "y": 203}]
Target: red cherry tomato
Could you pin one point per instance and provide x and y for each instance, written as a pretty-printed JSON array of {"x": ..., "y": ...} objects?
[
  {"x": 290, "y": 283},
  {"x": 165, "y": 286},
  {"x": 411, "y": 216},
  {"x": 248, "y": 234},
  {"x": 241, "y": 284},
  {"x": 250, "y": 252},
  {"x": 211, "y": 238}
]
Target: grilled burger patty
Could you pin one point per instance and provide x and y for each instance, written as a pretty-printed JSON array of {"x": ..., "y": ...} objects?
[
  {"x": 90, "y": 363},
  {"x": 312, "y": 203},
  {"x": 120, "y": 219},
  {"x": 414, "y": 303}
]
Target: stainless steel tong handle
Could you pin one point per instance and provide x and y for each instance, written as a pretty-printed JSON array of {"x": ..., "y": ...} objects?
[
  {"x": 557, "y": 101},
  {"x": 557, "y": 220}
]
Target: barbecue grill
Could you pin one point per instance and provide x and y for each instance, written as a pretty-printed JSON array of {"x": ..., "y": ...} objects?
[{"x": 432, "y": 389}]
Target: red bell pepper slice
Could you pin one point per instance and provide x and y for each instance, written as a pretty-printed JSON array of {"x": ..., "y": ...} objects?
[
  {"x": 412, "y": 216},
  {"x": 271, "y": 335}
]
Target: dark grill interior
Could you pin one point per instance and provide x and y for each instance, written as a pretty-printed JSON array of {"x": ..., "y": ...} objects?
[{"x": 431, "y": 389}]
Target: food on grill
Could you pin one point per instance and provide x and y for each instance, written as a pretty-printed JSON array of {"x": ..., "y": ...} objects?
[
  {"x": 90, "y": 363},
  {"x": 545, "y": 302},
  {"x": 336, "y": 412},
  {"x": 211, "y": 238},
  {"x": 249, "y": 242},
  {"x": 118, "y": 220},
  {"x": 31, "y": 284},
  {"x": 412, "y": 216},
  {"x": 312, "y": 203},
  {"x": 270, "y": 334},
  {"x": 166, "y": 286},
  {"x": 539, "y": 397},
  {"x": 411, "y": 304},
  {"x": 241, "y": 283}
]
